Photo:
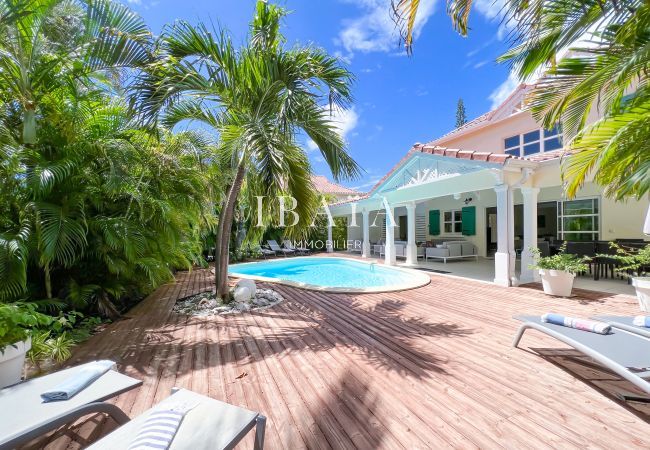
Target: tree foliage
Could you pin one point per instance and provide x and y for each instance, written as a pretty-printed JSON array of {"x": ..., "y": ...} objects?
[
  {"x": 94, "y": 208},
  {"x": 258, "y": 99},
  {"x": 461, "y": 116},
  {"x": 594, "y": 57}
]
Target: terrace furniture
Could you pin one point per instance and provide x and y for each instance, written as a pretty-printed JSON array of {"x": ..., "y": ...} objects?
[
  {"x": 400, "y": 250},
  {"x": 602, "y": 264},
  {"x": 544, "y": 248},
  {"x": 357, "y": 246},
  {"x": 209, "y": 424},
  {"x": 26, "y": 417},
  {"x": 276, "y": 248},
  {"x": 452, "y": 250},
  {"x": 264, "y": 251},
  {"x": 302, "y": 250},
  {"x": 378, "y": 249},
  {"x": 626, "y": 354},
  {"x": 624, "y": 323}
]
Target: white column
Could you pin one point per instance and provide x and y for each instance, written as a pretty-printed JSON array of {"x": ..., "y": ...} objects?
[
  {"x": 330, "y": 241},
  {"x": 366, "y": 234},
  {"x": 504, "y": 259},
  {"x": 411, "y": 247},
  {"x": 390, "y": 257},
  {"x": 529, "y": 275}
]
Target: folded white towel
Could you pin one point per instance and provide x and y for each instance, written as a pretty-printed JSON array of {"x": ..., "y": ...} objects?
[
  {"x": 641, "y": 321},
  {"x": 78, "y": 381}
]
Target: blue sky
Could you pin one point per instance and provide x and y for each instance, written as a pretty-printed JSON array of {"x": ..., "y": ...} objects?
[{"x": 399, "y": 100}]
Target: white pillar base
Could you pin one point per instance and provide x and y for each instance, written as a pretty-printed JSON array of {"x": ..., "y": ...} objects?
[
  {"x": 411, "y": 255},
  {"x": 365, "y": 250},
  {"x": 502, "y": 269}
]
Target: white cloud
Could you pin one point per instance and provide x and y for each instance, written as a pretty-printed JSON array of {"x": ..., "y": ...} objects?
[
  {"x": 480, "y": 64},
  {"x": 374, "y": 30},
  {"x": 369, "y": 183},
  {"x": 343, "y": 121},
  {"x": 493, "y": 10},
  {"x": 503, "y": 90}
]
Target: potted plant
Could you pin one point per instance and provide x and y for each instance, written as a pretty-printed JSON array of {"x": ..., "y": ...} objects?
[
  {"x": 17, "y": 322},
  {"x": 558, "y": 271},
  {"x": 635, "y": 262}
]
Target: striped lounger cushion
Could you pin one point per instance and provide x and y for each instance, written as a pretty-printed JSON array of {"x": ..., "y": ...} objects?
[{"x": 159, "y": 429}]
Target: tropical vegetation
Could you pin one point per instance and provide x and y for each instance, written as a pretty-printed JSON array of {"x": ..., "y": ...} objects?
[
  {"x": 634, "y": 261},
  {"x": 593, "y": 55},
  {"x": 257, "y": 99},
  {"x": 95, "y": 209},
  {"x": 564, "y": 261}
]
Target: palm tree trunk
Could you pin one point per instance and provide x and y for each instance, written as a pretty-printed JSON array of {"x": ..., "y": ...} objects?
[
  {"x": 48, "y": 281},
  {"x": 223, "y": 234}
]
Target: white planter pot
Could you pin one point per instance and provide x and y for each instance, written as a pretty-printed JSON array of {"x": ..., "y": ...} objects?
[
  {"x": 12, "y": 359},
  {"x": 557, "y": 282},
  {"x": 642, "y": 286}
]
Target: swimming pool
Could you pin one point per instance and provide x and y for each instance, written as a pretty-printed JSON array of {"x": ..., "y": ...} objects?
[{"x": 331, "y": 274}]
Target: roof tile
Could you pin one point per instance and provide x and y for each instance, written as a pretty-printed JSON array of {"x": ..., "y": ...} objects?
[{"x": 324, "y": 186}]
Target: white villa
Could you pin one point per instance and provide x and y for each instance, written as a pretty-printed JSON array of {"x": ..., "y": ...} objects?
[{"x": 494, "y": 183}]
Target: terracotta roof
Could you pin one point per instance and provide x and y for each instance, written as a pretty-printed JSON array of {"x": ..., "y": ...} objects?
[
  {"x": 490, "y": 157},
  {"x": 325, "y": 186},
  {"x": 548, "y": 156},
  {"x": 497, "y": 158}
]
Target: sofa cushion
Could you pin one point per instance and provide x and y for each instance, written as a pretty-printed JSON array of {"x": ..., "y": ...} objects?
[{"x": 468, "y": 248}]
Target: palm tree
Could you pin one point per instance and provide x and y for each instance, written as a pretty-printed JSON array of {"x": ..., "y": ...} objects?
[
  {"x": 405, "y": 12},
  {"x": 46, "y": 44},
  {"x": 93, "y": 208},
  {"x": 258, "y": 99},
  {"x": 604, "y": 69},
  {"x": 593, "y": 54}
]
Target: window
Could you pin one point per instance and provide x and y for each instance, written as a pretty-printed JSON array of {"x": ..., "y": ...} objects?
[
  {"x": 553, "y": 138},
  {"x": 452, "y": 221},
  {"x": 533, "y": 142},
  {"x": 512, "y": 145},
  {"x": 578, "y": 220}
]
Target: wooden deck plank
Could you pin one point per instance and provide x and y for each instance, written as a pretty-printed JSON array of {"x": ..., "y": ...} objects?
[{"x": 430, "y": 367}]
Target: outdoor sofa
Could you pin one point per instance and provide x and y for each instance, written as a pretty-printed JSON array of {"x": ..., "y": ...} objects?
[{"x": 451, "y": 250}]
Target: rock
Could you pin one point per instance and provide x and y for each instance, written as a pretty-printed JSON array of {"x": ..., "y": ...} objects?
[
  {"x": 242, "y": 294},
  {"x": 207, "y": 304},
  {"x": 250, "y": 284},
  {"x": 242, "y": 306}
]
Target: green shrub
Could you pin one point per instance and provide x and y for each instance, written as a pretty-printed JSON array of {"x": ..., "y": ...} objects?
[
  {"x": 561, "y": 261},
  {"x": 636, "y": 261},
  {"x": 18, "y": 322}
]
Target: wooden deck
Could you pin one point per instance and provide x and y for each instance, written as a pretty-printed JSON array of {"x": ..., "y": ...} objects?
[{"x": 426, "y": 368}]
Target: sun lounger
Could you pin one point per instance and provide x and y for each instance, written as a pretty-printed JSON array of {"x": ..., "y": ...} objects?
[
  {"x": 209, "y": 424},
  {"x": 276, "y": 248},
  {"x": 624, "y": 353},
  {"x": 625, "y": 323},
  {"x": 288, "y": 244},
  {"x": 265, "y": 251},
  {"x": 25, "y": 415}
]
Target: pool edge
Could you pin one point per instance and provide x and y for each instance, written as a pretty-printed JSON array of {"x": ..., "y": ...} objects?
[{"x": 424, "y": 279}]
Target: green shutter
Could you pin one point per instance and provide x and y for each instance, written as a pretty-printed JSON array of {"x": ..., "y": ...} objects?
[
  {"x": 469, "y": 220},
  {"x": 434, "y": 222}
]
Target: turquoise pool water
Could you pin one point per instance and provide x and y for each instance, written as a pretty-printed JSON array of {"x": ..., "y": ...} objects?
[{"x": 331, "y": 272}]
